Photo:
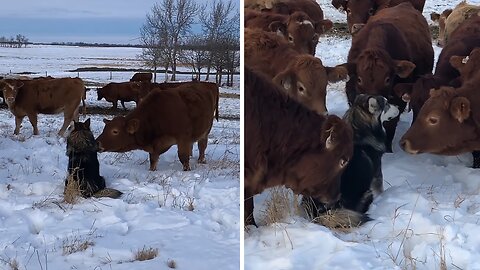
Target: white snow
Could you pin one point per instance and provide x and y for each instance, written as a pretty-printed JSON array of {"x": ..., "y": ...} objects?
[
  {"x": 39, "y": 231},
  {"x": 427, "y": 218}
]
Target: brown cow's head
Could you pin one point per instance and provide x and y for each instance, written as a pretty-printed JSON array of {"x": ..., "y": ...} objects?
[
  {"x": 358, "y": 11},
  {"x": 10, "y": 91},
  {"x": 441, "y": 18},
  {"x": 306, "y": 80},
  {"x": 318, "y": 172},
  {"x": 468, "y": 65},
  {"x": 118, "y": 135},
  {"x": 376, "y": 71},
  {"x": 443, "y": 126}
]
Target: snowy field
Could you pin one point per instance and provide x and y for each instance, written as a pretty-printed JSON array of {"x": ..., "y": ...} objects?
[
  {"x": 190, "y": 218},
  {"x": 427, "y": 218}
]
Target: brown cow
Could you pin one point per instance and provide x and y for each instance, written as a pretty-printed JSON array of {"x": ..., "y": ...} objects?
[
  {"x": 287, "y": 7},
  {"x": 303, "y": 76},
  {"x": 394, "y": 46},
  {"x": 47, "y": 96},
  {"x": 287, "y": 144},
  {"x": 141, "y": 77},
  {"x": 259, "y": 4},
  {"x": 358, "y": 11},
  {"x": 467, "y": 65},
  {"x": 448, "y": 123},
  {"x": 464, "y": 39},
  {"x": 178, "y": 116},
  {"x": 124, "y": 91},
  {"x": 450, "y": 19},
  {"x": 296, "y": 28}
]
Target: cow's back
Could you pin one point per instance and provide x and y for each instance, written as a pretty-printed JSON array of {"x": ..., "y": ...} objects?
[
  {"x": 459, "y": 14},
  {"x": 50, "y": 96},
  {"x": 413, "y": 31}
]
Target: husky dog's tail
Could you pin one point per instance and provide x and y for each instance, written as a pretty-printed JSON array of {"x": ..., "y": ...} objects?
[{"x": 108, "y": 192}]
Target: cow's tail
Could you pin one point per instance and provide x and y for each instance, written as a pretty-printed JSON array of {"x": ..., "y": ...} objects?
[
  {"x": 341, "y": 219},
  {"x": 216, "y": 109},
  {"x": 84, "y": 96}
]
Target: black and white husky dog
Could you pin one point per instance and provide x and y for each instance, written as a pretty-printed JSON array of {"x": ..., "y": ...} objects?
[{"x": 363, "y": 178}]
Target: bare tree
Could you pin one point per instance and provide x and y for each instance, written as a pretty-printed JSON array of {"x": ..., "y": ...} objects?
[
  {"x": 218, "y": 23},
  {"x": 168, "y": 23},
  {"x": 195, "y": 54}
]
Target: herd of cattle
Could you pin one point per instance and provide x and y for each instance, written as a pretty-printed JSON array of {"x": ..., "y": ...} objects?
[
  {"x": 166, "y": 113},
  {"x": 391, "y": 55}
]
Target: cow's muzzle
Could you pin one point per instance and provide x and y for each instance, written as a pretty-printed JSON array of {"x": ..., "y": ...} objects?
[{"x": 406, "y": 145}]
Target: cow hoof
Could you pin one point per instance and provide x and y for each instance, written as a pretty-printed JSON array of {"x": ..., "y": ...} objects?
[{"x": 202, "y": 161}]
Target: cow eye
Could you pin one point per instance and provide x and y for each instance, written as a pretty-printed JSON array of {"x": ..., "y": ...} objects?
[
  {"x": 343, "y": 162},
  {"x": 387, "y": 80},
  {"x": 290, "y": 38},
  {"x": 433, "y": 120},
  {"x": 349, "y": 11},
  {"x": 115, "y": 132},
  {"x": 359, "y": 81},
  {"x": 371, "y": 11}
]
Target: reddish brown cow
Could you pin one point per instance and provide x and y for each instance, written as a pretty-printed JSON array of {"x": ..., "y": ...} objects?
[
  {"x": 452, "y": 112},
  {"x": 124, "y": 91},
  {"x": 467, "y": 65},
  {"x": 47, "y": 96},
  {"x": 312, "y": 8},
  {"x": 287, "y": 144},
  {"x": 296, "y": 28},
  {"x": 303, "y": 76},
  {"x": 178, "y": 116},
  {"x": 450, "y": 19},
  {"x": 394, "y": 46},
  {"x": 141, "y": 77},
  {"x": 464, "y": 40},
  {"x": 358, "y": 11}
]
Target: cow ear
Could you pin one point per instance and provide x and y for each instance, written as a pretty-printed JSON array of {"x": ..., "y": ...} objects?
[
  {"x": 285, "y": 79},
  {"x": 458, "y": 62},
  {"x": 434, "y": 16},
  {"x": 132, "y": 126},
  {"x": 337, "y": 73},
  {"x": 404, "y": 91},
  {"x": 278, "y": 27},
  {"x": 447, "y": 12},
  {"x": 340, "y": 4},
  {"x": 323, "y": 26},
  {"x": 403, "y": 68},
  {"x": 460, "y": 108},
  {"x": 105, "y": 120}
]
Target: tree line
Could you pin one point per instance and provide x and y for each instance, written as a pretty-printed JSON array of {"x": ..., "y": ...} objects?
[
  {"x": 168, "y": 41},
  {"x": 14, "y": 42}
]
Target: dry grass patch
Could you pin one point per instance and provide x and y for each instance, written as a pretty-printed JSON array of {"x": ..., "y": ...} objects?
[
  {"x": 75, "y": 244},
  {"x": 145, "y": 254},
  {"x": 72, "y": 193},
  {"x": 280, "y": 205}
]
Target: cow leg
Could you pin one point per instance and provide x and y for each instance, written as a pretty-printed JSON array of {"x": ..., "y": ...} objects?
[
  {"x": 114, "y": 103},
  {"x": 184, "y": 152},
  {"x": 202, "y": 145},
  {"x": 248, "y": 208},
  {"x": 33, "y": 120},
  {"x": 68, "y": 117},
  {"x": 476, "y": 159},
  {"x": 18, "y": 124},
  {"x": 153, "y": 161},
  {"x": 390, "y": 127}
]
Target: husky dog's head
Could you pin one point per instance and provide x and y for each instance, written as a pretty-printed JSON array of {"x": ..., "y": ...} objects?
[{"x": 377, "y": 106}]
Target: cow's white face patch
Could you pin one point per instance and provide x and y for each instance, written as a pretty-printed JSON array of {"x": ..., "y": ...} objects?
[{"x": 306, "y": 22}]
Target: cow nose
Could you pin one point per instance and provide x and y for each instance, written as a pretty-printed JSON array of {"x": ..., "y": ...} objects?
[{"x": 407, "y": 146}]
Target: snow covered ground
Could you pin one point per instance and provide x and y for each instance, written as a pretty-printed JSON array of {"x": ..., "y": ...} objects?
[
  {"x": 427, "y": 218},
  {"x": 191, "y": 218}
]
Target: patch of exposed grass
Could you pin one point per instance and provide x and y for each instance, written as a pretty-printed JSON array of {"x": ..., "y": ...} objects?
[{"x": 145, "y": 254}]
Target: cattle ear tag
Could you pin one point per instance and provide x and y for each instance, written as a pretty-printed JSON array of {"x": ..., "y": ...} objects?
[
  {"x": 132, "y": 126},
  {"x": 460, "y": 108}
]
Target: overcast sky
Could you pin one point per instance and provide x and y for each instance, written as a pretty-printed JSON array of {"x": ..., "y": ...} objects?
[{"x": 111, "y": 21}]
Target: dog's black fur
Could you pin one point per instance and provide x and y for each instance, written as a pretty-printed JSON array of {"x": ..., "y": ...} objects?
[
  {"x": 363, "y": 178},
  {"x": 83, "y": 165}
]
